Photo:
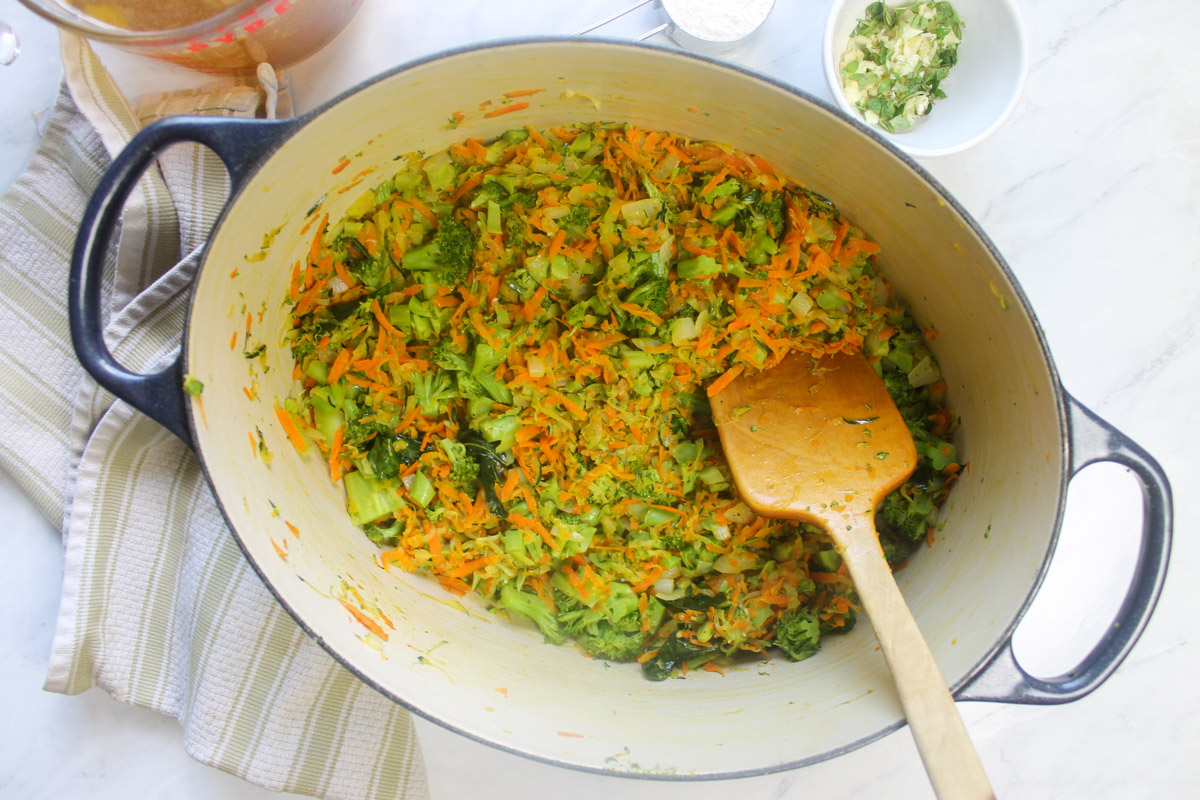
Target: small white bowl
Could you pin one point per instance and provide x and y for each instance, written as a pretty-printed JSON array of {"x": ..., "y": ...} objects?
[{"x": 982, "y": 89}]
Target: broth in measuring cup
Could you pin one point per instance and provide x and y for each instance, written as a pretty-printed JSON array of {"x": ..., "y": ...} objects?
[
  {"x": 214, "y": 36},
  {"x": 152, "y": 15}
]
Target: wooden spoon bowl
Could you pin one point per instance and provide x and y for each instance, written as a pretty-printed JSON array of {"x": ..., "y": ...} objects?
[{"x": 823, "y": 442}]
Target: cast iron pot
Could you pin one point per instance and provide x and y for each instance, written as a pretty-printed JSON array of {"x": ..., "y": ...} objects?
[{"x": 1023, "y": 435}]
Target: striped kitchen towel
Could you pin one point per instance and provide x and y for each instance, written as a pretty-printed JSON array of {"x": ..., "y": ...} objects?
[{"x": 159, "y": 607}]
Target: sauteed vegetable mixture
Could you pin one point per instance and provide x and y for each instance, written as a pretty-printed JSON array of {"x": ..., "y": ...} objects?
[{"x": 507, "y": 351}]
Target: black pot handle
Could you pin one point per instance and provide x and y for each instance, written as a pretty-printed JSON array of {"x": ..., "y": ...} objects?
[
  {"x": 240, "y": 144},
  {"x": 1091, "y": 440}
]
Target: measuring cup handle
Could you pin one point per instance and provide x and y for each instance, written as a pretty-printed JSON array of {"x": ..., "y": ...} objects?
[
  {"x": 1090, "y": 440},
  {"x": 241, "y": 144}
]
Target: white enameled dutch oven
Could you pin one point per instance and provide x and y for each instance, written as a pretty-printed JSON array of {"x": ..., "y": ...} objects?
[{"x": 449, "y": 659}]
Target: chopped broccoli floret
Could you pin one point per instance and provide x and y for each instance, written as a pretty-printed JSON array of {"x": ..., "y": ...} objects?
[
  {"x": 895, "y": 550},
  {"x": 648, "y": 486},
  {"x": 523, "y": 198},
  {"x": 447, "y": 356},
  {"x": 914, "y": 406},
  {"x": 603, "y": 489},
  {"x": 770, "y": 212},
  {"x": 432, "y": 391},
  {"x": 762, "y": 225},
  {"x": 530, "y": 605},
  {"x": 382, "y": 533},
  {"x": 449, "y": 256},
  {"x": 651, "y": 295},
  {"x": 910, "y": 401},
  {"x": 576, "y": 221},
  {"x": 464, "y": 470},
  {"x": 611, "y": 630},
  {"x": 468, "y": 386},
  {"x": 799, "y": 634},
  {"x": 906, "y": 511},
  {"x": 612, "y": 644},
  {"x": 371, "y": 271},
  {"x": 485, "y": 358}
]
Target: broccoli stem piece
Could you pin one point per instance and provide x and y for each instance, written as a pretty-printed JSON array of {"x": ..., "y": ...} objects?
[
  {"x": 368, "y": 498},
  {"x": 533, "y": 607}
]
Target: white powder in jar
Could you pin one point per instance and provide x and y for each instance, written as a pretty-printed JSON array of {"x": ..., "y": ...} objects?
[{"x": 718, "y": 20}]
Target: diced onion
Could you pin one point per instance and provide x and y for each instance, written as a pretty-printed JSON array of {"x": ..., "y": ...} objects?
[
  {"x": 721, "y": 532},
  {"x": 800, "y": 305},
  {"x": 741, "y": 514},
  {"x": 536, "y": 366},
  {"x": 664, "y": 586},
  {"x": 640, "y": 212},
  {"x": 730, "y": 563},
  {"x": 924, "y": 373},
  {"x": 666, "y": 166},
  {"x": 879, "y": 291},
  {"x": 683, "y": 330}
]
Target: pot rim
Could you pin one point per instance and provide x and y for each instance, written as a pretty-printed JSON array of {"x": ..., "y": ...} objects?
[{"x": 1059, "y": 393}]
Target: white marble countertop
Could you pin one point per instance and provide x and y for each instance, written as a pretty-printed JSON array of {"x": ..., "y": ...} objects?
[{"x": 1092, "y": 193}]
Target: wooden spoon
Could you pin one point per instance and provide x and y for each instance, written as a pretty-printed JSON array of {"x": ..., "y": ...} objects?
[{"x": 824, "y": 444}]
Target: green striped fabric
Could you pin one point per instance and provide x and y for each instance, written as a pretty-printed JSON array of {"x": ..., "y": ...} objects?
[{"x": 159, "y": 607}]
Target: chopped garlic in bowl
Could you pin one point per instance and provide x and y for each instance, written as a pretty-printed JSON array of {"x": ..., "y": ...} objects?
[
  {"x": 896, "y": 59},
  {"x": 932, "y": 78}
]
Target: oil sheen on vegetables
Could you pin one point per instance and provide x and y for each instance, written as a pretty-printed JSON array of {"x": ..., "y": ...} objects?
[{"x": 505, "y": 353}]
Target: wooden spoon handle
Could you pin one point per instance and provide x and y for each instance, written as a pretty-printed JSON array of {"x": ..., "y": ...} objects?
[{"x": 949, "y": 756}]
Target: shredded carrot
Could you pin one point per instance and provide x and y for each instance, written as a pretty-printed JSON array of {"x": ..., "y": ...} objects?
[
  {"x": 646, "y": 582},
  {"x": 644, "y": 313},
  {"x": 289, "y": 427},
  {"x": 557, "y": 243},
  {"x": 340, "y": 364},
  {"x": 335, "y": 455},
  {"x": 728, "y": 377},
  {"x": 543, "y": 378},
  {"x": 424, "y": 210},
  {"x": 314, "y": 249},
  {"x": 506, "y": 109},
  {"x": 364, "y": 620},
  {"x": 382, "y": 319}
]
